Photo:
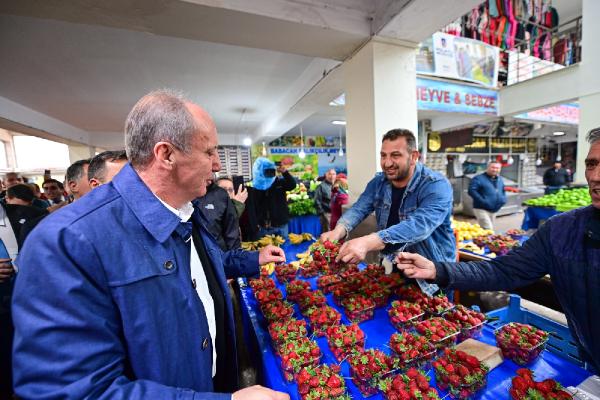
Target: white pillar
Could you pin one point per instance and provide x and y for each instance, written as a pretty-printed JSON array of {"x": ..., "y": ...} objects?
[
  {"x": 380, "y": 86},
  {"x": 80, "y": 152},
  {"x": 589, "y": 85}
]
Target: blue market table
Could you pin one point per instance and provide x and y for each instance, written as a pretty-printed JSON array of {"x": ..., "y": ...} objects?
[
  {"x": 305, "y": 224},
  {"x": 379, "y": 329},
  {"x": 535, "y": 216}
]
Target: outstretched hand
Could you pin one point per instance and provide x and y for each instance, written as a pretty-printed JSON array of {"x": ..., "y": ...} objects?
[
  {"x": 270, "y": 254},
  {"x": 415, "y": 266}
]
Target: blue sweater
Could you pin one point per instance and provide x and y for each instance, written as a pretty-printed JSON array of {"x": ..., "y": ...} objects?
[
  {"x": 487, "y": 193},
  {"x": 558, "y": 248}
]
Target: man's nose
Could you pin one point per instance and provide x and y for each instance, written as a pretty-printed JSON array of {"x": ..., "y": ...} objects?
[{"x": 216, "y": 167}]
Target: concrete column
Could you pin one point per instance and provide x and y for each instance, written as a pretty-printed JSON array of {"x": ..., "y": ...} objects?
[
  {"x": 80, "y": 152},
  {"x": 589, "y": 84},
  {"x": 380, "y": 85}
]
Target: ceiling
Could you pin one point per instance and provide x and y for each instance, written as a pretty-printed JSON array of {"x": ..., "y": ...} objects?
[{"x": 73, "y": 69}]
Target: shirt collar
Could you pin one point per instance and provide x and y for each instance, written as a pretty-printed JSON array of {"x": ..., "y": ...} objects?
[
  {"x": 158, "y": 220},
  {"x": 184, "y": 213}
]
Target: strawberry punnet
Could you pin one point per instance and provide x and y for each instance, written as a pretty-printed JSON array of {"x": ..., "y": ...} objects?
[
  {"x": 295, "y": 288},
  {"x": 375, "y": 291},
  {"x": 277, "y": 310},
  {"x": 470, "y": 321},
  {"x": 344, "y": 339},
  {"x": 282, "y": 331},
  {"x": 311, "y": 298},
  {"x": 412, "y": 385},
  {"x": 460, "y": 373},
  {"x": 410, "y": 293},
  {"x": 285, "y": 272},
  {"x": 264, "y": 296},
  {"x": 297, "y": 354},
  {"x": 325, "y": 282},
  {"x": 521, "y": 343},
  {"x": 404, "y": 314},
  {"x": 412, "y": 350},
  {"x": 435, "y": 305},
  {"x": 358, "y": 308},
  {"x": 321, "y": 382},
  {"x": 368, "y": 366},
  {"x": 524, "y": 387},
  {"x": 322, "y": 318},
  {"x": 440, "y": 332},
  {"x": 261, "y": 283}
]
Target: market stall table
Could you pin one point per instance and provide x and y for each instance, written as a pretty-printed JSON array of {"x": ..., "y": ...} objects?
[
  {"x": 534, "y": 216},
  {"x": 305, "y": 224},
  {"x": 378, "y": 331}
]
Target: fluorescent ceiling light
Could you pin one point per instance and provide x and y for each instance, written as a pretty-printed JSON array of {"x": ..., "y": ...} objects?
[
  {"x": 558, "y": 133},
  {"x": 338, "y": 101},
  {"x": 338, "y": 122}
]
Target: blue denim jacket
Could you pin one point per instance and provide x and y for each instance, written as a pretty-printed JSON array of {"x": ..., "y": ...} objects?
[
  {"x": 425, "y": 213},
  {"x": 104, "y": 306}
]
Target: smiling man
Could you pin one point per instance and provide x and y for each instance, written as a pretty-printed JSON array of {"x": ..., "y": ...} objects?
[
  {"x": 567, "y": 247},
  {"x": 122, "y": 295},
  {"x": 412, "y": 205}
]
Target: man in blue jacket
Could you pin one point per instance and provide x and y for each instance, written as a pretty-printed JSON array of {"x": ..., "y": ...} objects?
[
  {"x": 122, "y": 295},
  {"x": 412, "y": 205},
  {"x": 567, "y": 247},
  {"x": 487, "y": 191}
]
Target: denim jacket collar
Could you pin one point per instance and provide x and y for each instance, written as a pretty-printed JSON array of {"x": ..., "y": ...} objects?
[{"x": 155, "y": 217}]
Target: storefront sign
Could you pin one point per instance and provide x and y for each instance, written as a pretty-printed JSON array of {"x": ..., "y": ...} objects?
[
  {"x": 562, "y": 114},
  {"x": 459, "y": 58},
  {"x": 451, "y": 97}
]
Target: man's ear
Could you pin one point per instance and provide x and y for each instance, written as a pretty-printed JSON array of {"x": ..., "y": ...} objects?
[
  {"x": 72, "y": 186},
  {"x": 94, "y": 183},
  {"x": 164, "y": 154}
]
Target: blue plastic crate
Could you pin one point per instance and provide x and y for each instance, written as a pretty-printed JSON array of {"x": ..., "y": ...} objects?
[{"x": 560, "y": 342}]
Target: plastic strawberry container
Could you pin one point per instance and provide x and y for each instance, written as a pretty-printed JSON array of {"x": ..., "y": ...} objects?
[
  {"x": 472, "y": 332},
  {"x": 520, "y": 355},
  {"x": 462, "y": 391},
  {"x": 367, "y": 387},
  {"x": 359, "y": 316},
  {"x": 290, "y": 371},
  {"x": 408, "y": 324}
]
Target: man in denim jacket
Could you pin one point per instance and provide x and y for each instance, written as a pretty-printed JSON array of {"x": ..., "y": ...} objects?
[
  {"x": 412, "y": 205},
  {"x": 567, "y": 247}
]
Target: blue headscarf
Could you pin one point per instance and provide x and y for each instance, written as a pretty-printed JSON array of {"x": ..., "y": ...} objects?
[{"x": 261, "y": 182}]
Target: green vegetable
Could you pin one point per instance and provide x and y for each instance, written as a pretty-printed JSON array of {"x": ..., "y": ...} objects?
[{"x": 302, "y": 207}]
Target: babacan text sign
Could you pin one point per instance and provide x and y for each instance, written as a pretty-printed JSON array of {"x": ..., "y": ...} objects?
[{"x": 451, "y": 97}]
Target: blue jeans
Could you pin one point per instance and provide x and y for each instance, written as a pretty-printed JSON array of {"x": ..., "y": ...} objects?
[{"x": 274, "y": 230}]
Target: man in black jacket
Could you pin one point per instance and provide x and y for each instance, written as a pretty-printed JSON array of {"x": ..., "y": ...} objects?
[
  {"x": 269, "y": 197},
  {"x": 219, "y": 211},
  {"x": 555, "y": 178}
]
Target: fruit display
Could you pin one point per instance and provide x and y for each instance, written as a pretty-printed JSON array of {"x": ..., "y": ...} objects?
[
  {"x": 499, "y": 244},
  {"x": 412, "y": 385},
  {"x": 412, "y": 350},
  {"x": 286, "y": 330},
  {"x": 261, "y": 283},
  {"x": 470, "y": 321},
  {"x": 277, "y": 310},
  {"x": 563, "y": 200},
  {"x": 264, "y": 296},
  {"x": 373, "y": 290},
  {"x": 344, "y": 339},
  {"x": 461, "y": 374},
  {"x": 521, "y": 343},
  {"x": 275, "y": 240},
  {"x": 327, "y": 251},
  {"x": 410, "y": 292},
  {"x": 294, "y": 289},
  {"x": 468, "y": 231},
  {"x": 440, "y": 332},
  {"x": 367, "y": 367},
  {"x": 404, "y": 314},
  {"x": 298, "y": 354},
  {"x": 322, "y": 318},
  {"x": 471, "y": 247},
  {"x": 310, "y": 299},
  {"x": 297, "y": 238},
  {"x": 524, "y": 387},
  {"x": 436, "y": 305},
  {"x": 285, "y": 272},
  {"x": 358, "y": 308},
  {"x": 515, "y": 233},
  {"x": 321, "y": 382},
  {"x": 325, "y": 282}
]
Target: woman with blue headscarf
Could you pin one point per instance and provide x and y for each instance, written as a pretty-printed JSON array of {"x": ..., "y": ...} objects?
[{"x": 269, "y": 197}]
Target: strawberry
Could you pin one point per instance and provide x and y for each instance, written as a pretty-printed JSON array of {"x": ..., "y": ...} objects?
[
  {"x": 524, "y": 387},
  {"x": 521, "y": 343},
  {"x": 322, "y": 317},
  {"x": 358, "y": 308}
]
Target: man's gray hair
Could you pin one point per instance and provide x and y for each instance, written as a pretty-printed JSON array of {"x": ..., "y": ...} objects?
[
  {"x": 159, "y": 116},
  {"x": 593, "y": 136}
]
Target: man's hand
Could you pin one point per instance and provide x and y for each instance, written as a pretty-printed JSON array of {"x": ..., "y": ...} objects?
[
  {"x": 241, "y": 195},
  {"x": 258, "y": 392},
  {"x": 355, "y": 250},
  {"x": 336, "y": 234},
  {"x": 415, "y": 266},
  {"x": 6, "y": 269},
  {"x": 269, "y": 254}
]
